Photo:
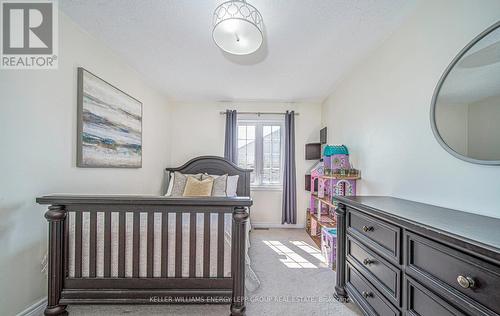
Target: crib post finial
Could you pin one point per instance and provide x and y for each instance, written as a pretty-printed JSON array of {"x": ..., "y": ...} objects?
[
  {"x": 240, "y": 218},
  {"x": 56, "y": 216}
]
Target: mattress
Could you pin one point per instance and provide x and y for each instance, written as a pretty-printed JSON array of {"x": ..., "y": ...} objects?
[{"x": 157, "y": 251}]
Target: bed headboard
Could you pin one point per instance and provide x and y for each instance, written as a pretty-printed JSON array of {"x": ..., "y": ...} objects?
[{"x": 217, "y": 166}]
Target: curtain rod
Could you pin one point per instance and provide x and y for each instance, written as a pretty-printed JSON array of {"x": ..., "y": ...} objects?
[{"x": 260, "y": 113}]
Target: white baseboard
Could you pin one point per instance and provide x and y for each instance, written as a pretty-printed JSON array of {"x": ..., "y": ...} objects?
[
  {"x": 274, "y": 225},
  {"x": 36, "y": 309}
]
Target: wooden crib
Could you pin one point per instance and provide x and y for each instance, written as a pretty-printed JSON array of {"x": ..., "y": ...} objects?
[{"x": 124, "y": 249}]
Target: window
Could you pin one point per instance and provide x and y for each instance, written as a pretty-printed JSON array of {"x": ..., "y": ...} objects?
[{"x": 261, "y": 148}]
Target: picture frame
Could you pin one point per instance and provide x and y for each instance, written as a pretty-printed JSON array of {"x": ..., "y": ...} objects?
[{"x": 109, "y": 124}]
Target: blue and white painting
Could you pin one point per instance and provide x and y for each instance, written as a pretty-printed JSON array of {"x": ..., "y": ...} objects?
[{"x": 110, "y": 126}]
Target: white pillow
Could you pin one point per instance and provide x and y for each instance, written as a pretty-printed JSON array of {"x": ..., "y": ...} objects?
[
  {"x": 170, "y": 184},
  {"x": 232, "y": 186}
]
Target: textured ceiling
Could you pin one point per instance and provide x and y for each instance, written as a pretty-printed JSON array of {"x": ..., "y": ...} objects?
[{"x": 309, "y": 44}]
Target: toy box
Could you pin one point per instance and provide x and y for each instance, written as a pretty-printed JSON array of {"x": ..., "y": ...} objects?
[{"x": 329, "y": 245}]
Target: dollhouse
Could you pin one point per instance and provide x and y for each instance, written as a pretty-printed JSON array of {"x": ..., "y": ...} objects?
[{"x": 333, "y": 176}]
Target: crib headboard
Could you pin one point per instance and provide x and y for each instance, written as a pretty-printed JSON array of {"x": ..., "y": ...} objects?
[{"x": 217, "y": 166}]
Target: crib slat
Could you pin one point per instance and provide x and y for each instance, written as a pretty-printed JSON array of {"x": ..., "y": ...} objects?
[
  {"x": 78, "y": 244},
  {"x": 192, "y": 246},
  {"x": 121, "y": 244},
  {"x": 93, "y": 244},
  {"x": 164, "y": 244},
  {"x": 151, "y": 241},
  {"x": 220, "y": 245},
  {"x": 136, "y": 243},
  {"x": 206, "y": 245},
  {"x": 107, "y": 244},
  {"x": 178, "y": 245}
]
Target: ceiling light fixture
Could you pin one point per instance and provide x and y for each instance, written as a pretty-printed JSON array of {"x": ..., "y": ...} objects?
[{"x": 237, "y": 27}]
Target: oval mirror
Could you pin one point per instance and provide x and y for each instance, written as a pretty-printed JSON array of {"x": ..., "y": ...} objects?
[{"x": 465, "y": 110}]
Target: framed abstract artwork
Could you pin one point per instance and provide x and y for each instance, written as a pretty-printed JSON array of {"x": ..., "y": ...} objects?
[{"x": 109, "y": 125}]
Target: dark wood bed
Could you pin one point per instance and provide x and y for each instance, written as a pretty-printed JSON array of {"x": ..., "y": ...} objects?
[{"x": 91, "y": 263}]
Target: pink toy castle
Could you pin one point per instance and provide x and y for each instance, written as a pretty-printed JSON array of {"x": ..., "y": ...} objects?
[{"x": 334, "y": 176}]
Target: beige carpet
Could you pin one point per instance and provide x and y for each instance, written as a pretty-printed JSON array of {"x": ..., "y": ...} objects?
[{"x": 294, "y": 281}]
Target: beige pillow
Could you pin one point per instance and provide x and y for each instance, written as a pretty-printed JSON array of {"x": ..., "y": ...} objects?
[{"x": 195, "y": 187}]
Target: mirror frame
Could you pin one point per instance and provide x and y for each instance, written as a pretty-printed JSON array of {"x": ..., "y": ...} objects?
[{"x": 438, "y": 89}]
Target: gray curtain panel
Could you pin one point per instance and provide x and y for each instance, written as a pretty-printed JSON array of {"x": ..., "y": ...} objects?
[
  {"x": 289, "y": 205},
  {"x": 231, "y": 141}
]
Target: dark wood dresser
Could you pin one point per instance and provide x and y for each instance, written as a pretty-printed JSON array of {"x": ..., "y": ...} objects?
[{"x": 398, "y": 257}]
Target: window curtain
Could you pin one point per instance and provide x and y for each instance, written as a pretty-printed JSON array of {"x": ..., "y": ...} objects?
[
  {"x": 231, "y": 141},
  {"x": 289, "y": 205}
]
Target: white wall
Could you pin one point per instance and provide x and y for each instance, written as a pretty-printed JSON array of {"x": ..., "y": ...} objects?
[
  {"x": 198, "y": 129},
  {"x": 381, "y": 111},
  {"x": 37, "y": 141}
]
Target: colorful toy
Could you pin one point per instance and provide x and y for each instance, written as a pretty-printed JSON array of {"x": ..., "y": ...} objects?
[
  {"x": 317, "y": 171},
  {"x": 334, "y": 176},
  {"x": 335, "y": 158},
  {"x": 308, "y": 222},
  {"x": 314, "y": 227},
  {"x": 329, "y": 245},
  {"x": 343, "y": 182}
]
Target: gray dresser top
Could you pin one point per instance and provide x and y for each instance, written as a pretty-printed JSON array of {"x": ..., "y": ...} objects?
[{"x": 482, "y": 231}]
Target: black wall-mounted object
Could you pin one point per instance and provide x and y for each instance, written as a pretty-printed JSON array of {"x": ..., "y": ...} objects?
[
  {"x": 313, "y": 151},
  {"x": 323, "y": 136},
  {"x": 398, "y": 257}
]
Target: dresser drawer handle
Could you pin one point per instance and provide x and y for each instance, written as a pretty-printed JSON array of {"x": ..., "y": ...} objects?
[
  {"x": 367, "y": 262},
  {"x": 367, "y": 294},
  {"x": 466, "y": 282},
  {"x": 367, "y": 228}
]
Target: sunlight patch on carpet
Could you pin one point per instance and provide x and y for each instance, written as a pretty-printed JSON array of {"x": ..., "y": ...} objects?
[
  {"x": 310, "y": 250},
  {"x": 292, "y": 259}
]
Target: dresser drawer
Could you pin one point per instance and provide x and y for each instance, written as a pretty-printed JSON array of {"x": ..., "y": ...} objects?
[
  {"x": 420, "y": 301},
  {"x": 367, "y": 297},
  {"x": 377, "y": 234},
  {"x": 461, "y": 278},
  {"x": 381, "y": 273}
]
